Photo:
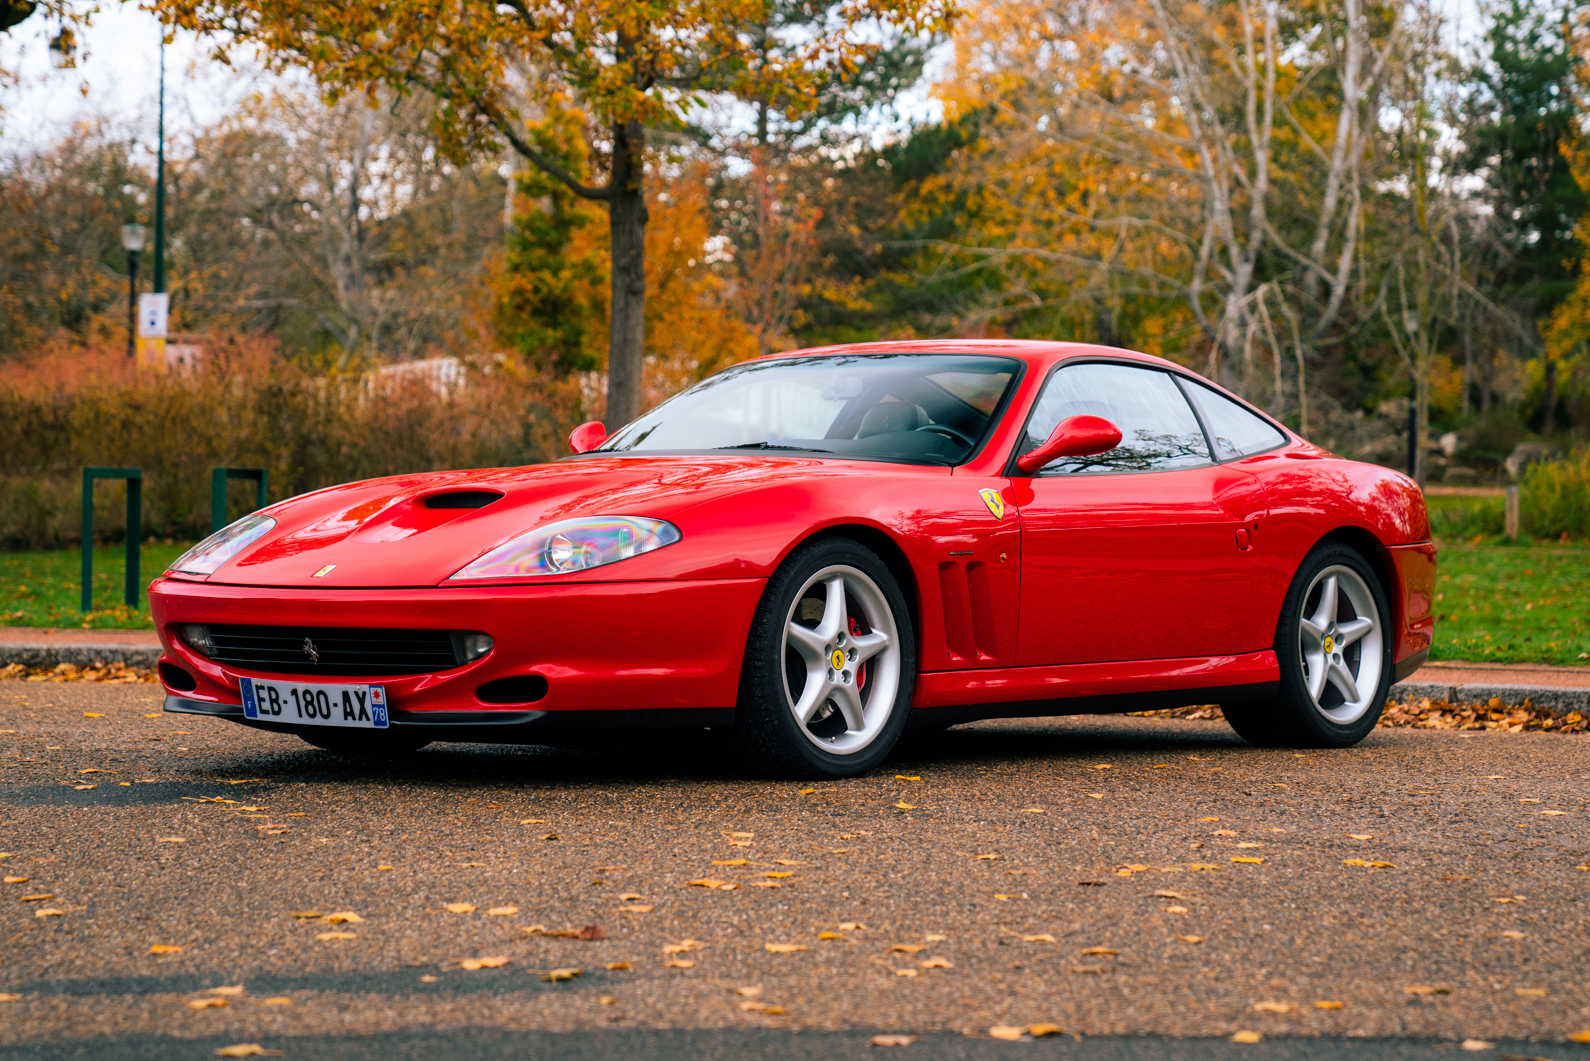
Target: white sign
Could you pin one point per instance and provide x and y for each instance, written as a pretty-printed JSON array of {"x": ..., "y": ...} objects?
[{"x": 152, "y": 316}]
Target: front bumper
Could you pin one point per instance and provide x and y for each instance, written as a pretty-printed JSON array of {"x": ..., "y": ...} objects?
[{"x": 603, "y": 648}]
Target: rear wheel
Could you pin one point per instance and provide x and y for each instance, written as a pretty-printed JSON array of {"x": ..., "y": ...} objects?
[
  {"x": 1334, "y": 646},
  {"x": 829, "y": 665},
  {"x": 365, "y": 743}
]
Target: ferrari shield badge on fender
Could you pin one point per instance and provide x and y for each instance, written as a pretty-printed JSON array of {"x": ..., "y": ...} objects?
[
  {"x": 323, "y": 572},
  {"x": 995, "y": 503}
]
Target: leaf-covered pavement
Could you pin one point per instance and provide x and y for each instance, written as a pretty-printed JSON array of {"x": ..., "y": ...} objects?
[{"x": 1111, "y": 877}]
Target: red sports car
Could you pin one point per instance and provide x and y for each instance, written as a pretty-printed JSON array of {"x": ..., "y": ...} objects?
[{"x": 819, "y": 549}]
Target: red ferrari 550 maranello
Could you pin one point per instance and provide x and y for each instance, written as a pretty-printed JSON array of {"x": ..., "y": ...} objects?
[{"x": 819, "y": 549}]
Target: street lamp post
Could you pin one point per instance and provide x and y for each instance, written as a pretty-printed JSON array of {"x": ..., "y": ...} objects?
[{"x": 132, "y": 238}]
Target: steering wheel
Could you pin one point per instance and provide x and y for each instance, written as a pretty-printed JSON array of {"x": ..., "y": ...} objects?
[{"x": 945, "y": 429}]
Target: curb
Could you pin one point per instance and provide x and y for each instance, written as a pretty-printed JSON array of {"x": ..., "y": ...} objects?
[
  {"x": 1545, "y": 696},
  {"x": 39, "y": 654}
]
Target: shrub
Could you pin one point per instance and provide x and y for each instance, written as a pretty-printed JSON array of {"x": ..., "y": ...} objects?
[
  {"x": 1454, "y": 518},
  {"x": 1554, "y": 498},
  {"x": 246, "y": 407}
]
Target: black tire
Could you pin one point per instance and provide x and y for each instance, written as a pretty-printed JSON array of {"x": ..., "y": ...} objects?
[
  {"x": 776, "y": 676},
  {"x": 1295, "y": 717},
  {"x": 365, "y": 743}
]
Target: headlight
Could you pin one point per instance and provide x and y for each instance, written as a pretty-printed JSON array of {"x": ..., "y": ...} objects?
[
  {"x": 224, "y": 544},
  {"x": 573, "y": 545}
]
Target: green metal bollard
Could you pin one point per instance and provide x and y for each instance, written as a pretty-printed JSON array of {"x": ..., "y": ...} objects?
[
  {"x": 135, "y": 486},
  {"x": 218, "y": 485}
]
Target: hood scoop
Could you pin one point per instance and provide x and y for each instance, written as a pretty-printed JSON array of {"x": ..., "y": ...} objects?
[{"x": 462, "y": 499}]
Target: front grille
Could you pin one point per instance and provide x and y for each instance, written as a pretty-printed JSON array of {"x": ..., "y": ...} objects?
[{"x": 364, "y": 653}]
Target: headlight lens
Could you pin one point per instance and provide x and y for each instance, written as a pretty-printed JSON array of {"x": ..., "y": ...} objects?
[
  {"x": 224, "y": 544},
  {"x": 573, "y": 545}
]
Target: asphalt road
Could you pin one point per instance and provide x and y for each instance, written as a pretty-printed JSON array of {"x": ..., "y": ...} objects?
[{"x": 1005, "y": 855}]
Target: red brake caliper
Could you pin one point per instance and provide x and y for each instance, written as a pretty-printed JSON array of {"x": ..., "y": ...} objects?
[{"x": 861, "y": 672}]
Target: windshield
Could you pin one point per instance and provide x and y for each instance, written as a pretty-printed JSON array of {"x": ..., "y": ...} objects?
[{"x": 931, "y": 408}]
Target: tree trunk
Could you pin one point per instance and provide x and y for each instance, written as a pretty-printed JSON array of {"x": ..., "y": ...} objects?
[
  {"x": 626, "y": 351},
  {"x": 1548, "y": 419}
]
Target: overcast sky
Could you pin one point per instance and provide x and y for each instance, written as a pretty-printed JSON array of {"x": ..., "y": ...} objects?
[{"x": 118, "y": 69}]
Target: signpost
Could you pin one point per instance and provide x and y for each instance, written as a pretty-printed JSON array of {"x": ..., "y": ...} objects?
[
  {"x": 135, "y": 483},
  {"x": 218, "y": 484},
  {"x": 152, "y": 329}
]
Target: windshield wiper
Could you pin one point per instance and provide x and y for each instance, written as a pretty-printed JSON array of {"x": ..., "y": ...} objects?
[{"x": 774, "y": 445}]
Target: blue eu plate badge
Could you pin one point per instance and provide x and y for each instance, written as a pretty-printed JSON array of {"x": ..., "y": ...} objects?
[{"x": 314, "y": 703}]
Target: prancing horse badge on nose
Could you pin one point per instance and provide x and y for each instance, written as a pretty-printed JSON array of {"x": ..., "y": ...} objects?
[{"x": 995, "y": 503}]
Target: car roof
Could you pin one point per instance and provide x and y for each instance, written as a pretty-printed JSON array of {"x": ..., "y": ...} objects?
[{"x": 1033, "y": 351}]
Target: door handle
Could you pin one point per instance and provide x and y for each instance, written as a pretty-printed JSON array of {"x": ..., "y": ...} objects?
[{"x": 1244, "y": 543}]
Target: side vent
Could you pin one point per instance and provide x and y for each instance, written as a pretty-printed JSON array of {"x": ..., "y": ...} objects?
[
  {"x": 982, "y": 598},
  {"x": 957, "y": 612},
  {"x": 462, "y": 499}
]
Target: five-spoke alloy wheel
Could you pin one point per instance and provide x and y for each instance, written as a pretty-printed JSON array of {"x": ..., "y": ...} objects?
[
  {"x": 1333, "y": 646},
  {"x": 829, "y": 666}
]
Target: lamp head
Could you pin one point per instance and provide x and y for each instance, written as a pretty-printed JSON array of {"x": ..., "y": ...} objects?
[{"x": 132, "y": 238}]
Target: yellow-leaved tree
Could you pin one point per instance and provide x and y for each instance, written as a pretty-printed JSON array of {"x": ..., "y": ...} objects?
[{"x": 632, "y": 65}]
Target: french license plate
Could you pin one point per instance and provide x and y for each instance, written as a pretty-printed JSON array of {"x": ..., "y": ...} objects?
[{"x": 314, "y": 703}]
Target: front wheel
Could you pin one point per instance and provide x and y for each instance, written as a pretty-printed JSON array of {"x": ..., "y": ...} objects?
[
  {"x": 1334, "y": 647},
  {"x": 829, "y": 665}
]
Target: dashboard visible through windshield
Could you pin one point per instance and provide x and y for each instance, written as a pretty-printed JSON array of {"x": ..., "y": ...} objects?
[{"x": 914, "y": 408}]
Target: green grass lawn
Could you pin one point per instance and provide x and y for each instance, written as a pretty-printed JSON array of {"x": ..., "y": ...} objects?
[
  {"x": 43, "y": 589},
  {"x": 1513, "y": 604},
  {"x": 1495, "y": 602}
]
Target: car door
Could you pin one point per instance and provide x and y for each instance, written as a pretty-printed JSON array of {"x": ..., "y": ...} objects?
[{"x": 1145, "y": 552}]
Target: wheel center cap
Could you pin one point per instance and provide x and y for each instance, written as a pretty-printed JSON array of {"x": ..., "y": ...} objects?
[
  {"x": 837, "y": 660},
  {"x": 1330, "y": 644}
]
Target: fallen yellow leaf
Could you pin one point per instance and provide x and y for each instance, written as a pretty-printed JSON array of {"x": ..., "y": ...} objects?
[
  {"x": 779, "y": 875},
  {"x": 207, "y": 1003},
  {"x": 1095, "y": 795},
  {"x": 1248, "y": 860},
  {"x": 36, "y": 898},
  {"x": 1355, "y": 862},
  {"x": 784, "y": 948},
  {"x": 344, "y": 917},
  {"x": 909, "y": 948},
  {"x": 483, "y": 963},
  {"x": 503, "y": 911},
  {"x": 1580, "y": 1037},
  {"x": 562, "y": 974},
  {"x": 16, "y": 880},
  {"x": 164, "y": 948},
  {"x": 937, "y": 962},
  {"x": 709, "y": 883},
  {"x": 334, "y": 935},
  {"x": 1477, "y": 1044},
  {"x": 892, "y": 1040},
  {"x": 829, "y": 935},
  {"x": 1041, "y": 937},
  {"x": 742, "y": 836},
  {"x": 535, "y": 821},
  {"x": 1327, "y": 1005},
  {"x": 91, "y": 714},
  {"x": 679, "y": 963},
  {"x": 303, "y": 915},
  {"x": 748, "y": 992},
  {"x": 1099, "y": 950},
  {"x": 383, "y": 868},
  {"x": 1006, "y": 1032},
  {"x": 1246, "y": 1037},
  {"x": 1033, "y": 810},
  {"x": 618, "y": 965},
  {"x": 1530, "y": 992},
  {"x": 246, "y": 1050},
  {"x": 170, "y": 840},
  {"x": 637, "y": 909},
  {"x": 987, "y": 858},
  {"x": 279, "y": 1000},
  {"x": 1191, "y": 939},
  {"x": 460, "y": 908},
  {"x": 733, "y": 862},
  {"x": 934, "y": 937},
  {"x": 1362, "y": 836},
  {"x": 51, "y": 912},
  {"x": 905, "y": 806},
  {"x": 807, "y": 791},
  {"x": 1423, "y": 989},
  {"x": 1513, "y": 935},
  {"x": 852, "y": 926},
  {"x": 1272, "y": 1007},
  {"x": 229, "y": 992},
  {"x": 90, "y": 770},
  {"x": 902, "y": 777}
]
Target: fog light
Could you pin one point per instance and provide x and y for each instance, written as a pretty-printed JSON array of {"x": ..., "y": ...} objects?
[
  {"x": 471, "y": 646},
  {"x": 198, "y": 638}
]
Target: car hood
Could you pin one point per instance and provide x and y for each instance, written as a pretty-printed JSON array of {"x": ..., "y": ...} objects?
[{"x": 384, "y": 532}]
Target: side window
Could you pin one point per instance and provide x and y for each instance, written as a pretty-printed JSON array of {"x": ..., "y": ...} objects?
[
  {"x": 1158, "y": 429},
  {"x": 1235, "y": 431}
]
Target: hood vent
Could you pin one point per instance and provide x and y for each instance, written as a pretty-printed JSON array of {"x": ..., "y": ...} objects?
[{"x": 462, "y": 499}]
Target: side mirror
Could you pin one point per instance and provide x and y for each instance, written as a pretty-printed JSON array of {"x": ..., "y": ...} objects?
[
  {"x": 1075, "y": 436},
  {"x": 591, "y": 434}
]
